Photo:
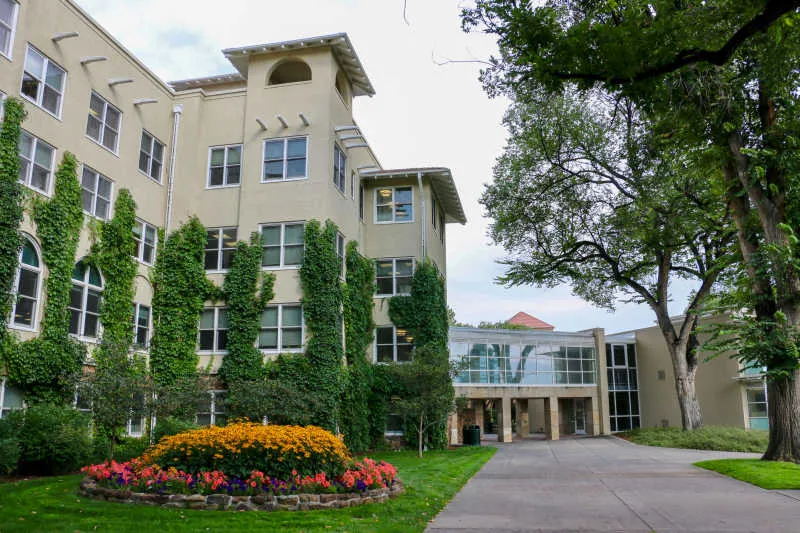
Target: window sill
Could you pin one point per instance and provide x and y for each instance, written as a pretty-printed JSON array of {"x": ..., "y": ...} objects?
[
  {"x": 215, "y": 187},
  {"x": 284, "y": 180},
  {"x": 285, "y": 267},
  {"x": 223, "y": 271},
  {"x": 145, "y": 263},
  {"x": 37, "y": 106},
  {"x": 103, "y": 146},
  {"x": 272, "y": 351},
  {"x": 391, "y": 295},
  {"x": 378, "y": 223},
  {"x": 148, "y": 176},
  {"x": 16, "y": 327},
  {"x": 46, "y": 194},
  {"x": 206, "y": 352}
]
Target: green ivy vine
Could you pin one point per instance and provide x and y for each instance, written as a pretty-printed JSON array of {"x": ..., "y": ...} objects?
[
  {"x": 245, "y": 302},
  {"x": 180, "y": 289},
  {"x": 10, "y": 205},
  {"x": 47, "y": 368},
  {"x": 322, "y": 308},
  {"x": 359, "y": 327}
]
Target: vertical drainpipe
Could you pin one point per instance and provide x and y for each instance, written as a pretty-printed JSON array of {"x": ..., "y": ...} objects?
[
  {"x": 424, "y": 231},
  {"x": 177, "y": 110}
]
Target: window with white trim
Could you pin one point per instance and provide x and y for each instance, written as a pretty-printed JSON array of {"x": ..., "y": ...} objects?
[
  {"x": 339, "y": 168},
  {"x": 340, "y": 252},
  {"x": 394, "y": 425},
  {"x": 11, "y": 398},
  {"x": 96, "y": 193},
  {"x": 220, "y": 247},
  {"x": 103, "y": 125},
  {"x": 151, "y": 156},
  {"x": 352, "y": 184},
  {"x": 434, "y": 215},
  {"x": 285, "y": 159},
  {"x": 394, "y": 204},
  {"x": 361, "y": 203},
  {"x": 145, "y": 236},
  {"x": 757, "y": 406},
  {"x": 43, "y": 81},
  {"x": 135, "y": 425},
  {"x": 211, "y": 409},
  {"x": 8, "y": 24},
  {"x": 141, "y": 326},
  {"x": 213, "y": 329},
  {"x": 36, "y": 159},
  {"x": 283, "y": 244},
  {"x": 281, "y": 328},
  {"x": 392, "y": 344},
  {"x": 2, "y": 102},
  {"x": 25, "y": 298},
  {"x": 393, "y": 276},
  {"x": 225, "y": 165},
  {"x": 84, "y": 301}
]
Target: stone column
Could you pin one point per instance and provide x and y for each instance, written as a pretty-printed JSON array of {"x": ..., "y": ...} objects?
[
  {"x": 453, "y": 428},
  {"x": 504, "y": 418},
  {"x": 602, "y": 382},
  {"x": 523, "y": 418},
  {"x": 551, "y": 417},
  {"x": 477, "y": 406},
  {"x": 595, "y": 411}
]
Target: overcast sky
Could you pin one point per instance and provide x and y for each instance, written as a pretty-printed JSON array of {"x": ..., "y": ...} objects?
[{"x": 426, "y": 112}]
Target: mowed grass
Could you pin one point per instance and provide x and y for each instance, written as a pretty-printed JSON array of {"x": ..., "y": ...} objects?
[
  {"x": 726, "y": 439},
  {"x": 765, "y": 474},
  {"x": 52, "y": 504}
]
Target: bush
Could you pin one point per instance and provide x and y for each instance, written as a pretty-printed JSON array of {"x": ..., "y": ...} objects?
[
  {"x": 53, "y": 440},
  {"x": 130, "y": 447},
  {"x": 240, "y": 448},
  {"x": 729, "y": 439},
  {"x": 9, "y": 455},
  {"x": 170, "y": 425}
]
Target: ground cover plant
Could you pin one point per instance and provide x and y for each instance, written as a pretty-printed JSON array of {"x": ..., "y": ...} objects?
[
  {"x": 729, "y": 439},
  {"x": 52, "y": 505},
  {"x": 765, "y": 474}
]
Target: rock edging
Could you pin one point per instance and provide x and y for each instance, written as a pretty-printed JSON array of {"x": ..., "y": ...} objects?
[{"x": 224, "y": 502}]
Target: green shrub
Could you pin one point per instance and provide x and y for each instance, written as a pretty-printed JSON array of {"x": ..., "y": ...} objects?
[
  {"x": 9, "y": 455},
  {"x": 53, "y": 440},
  {"x": 170, "y": 425},
  {"x": 718, "y": 438},
  {"x": 130, "y": 447}
]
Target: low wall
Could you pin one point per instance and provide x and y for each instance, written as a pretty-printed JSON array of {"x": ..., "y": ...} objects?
[{"x": 224, "y": 502}]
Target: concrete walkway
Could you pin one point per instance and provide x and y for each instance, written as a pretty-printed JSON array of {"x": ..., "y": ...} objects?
[{"x": 607, "y": 484}]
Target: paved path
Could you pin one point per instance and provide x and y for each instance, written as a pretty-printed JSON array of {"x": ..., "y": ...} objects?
[{"x": 610, "y": 485}]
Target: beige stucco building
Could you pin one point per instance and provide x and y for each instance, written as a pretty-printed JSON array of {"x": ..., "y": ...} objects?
[{"x": 264, "y": 148}]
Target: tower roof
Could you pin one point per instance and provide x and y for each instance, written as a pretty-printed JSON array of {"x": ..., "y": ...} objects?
[{"x": 524, "y": 319}]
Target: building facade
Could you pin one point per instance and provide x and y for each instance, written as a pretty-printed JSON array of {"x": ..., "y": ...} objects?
[{"x": 263, "y": 149}]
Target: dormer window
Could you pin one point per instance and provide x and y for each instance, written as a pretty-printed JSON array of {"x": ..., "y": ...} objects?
[{"x": 290, "y": 71}]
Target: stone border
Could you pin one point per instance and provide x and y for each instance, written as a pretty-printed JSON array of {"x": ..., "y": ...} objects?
[{"x": 223, "y": 502}]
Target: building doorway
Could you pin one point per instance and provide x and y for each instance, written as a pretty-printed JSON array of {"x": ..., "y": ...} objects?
[{"x": 577, "y": 417}]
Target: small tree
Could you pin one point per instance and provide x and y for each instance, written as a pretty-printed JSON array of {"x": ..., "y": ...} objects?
[{"x": 428, "y": 396}]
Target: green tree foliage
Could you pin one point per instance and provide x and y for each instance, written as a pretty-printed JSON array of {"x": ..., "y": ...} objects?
[
  {"x": 46, "y": 368},
  {"x": 10, "y": 205},
  {"x": 246, "y": 292},
  {"x": 322, "y": 308},
  {"x": 117, "y": 387},
  {"x": 180, "y": 289},
  {"x": 720, "y": 77},
  {"x": 359, "y": 329},
  {"x": 429, "y": 397}
]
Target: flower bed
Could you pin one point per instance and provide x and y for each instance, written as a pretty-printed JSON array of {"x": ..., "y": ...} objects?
[{"x": 183, "y": 471}]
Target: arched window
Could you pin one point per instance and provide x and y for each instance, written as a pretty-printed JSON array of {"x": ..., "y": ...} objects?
[
  {"x": 290, "y": 71},
  {"x": 84, "y": 300},
  {"x": 26, "y": 287}
]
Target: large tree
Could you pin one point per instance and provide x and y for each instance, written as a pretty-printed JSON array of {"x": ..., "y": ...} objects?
[
  {"x": 586, "y": 194},
  {"x": 722, "y": 77}
]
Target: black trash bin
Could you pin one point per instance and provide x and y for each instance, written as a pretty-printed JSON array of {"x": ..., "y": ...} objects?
[{"x": 472, "y": 436}]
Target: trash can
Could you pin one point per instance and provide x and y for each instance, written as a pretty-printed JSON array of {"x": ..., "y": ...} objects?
[{"x": 472, "y": 436}]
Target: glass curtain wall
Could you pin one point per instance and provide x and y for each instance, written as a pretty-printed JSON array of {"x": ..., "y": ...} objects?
[{"x": 623, "y": 386}]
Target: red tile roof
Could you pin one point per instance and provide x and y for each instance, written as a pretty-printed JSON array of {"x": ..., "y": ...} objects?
[{"x": 524, "y": 319}]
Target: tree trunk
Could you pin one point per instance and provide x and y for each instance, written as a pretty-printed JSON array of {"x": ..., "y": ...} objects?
[
  {"x": 784, "y": 418},
  {"x": 421, "y": 433},
  {"x": 685, "y": 387}
]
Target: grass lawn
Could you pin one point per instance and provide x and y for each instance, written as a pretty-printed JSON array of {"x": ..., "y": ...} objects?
[
  {"x": 726, "y": 439},
  {"x": 52, "y": 504},
  {"x": 764, "y": 474}
]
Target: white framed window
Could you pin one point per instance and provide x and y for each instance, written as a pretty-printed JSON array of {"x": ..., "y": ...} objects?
[
  {"x": 36, "y": 159},
  {"x": 393, "y": 276},
  {"x": 211, "y": 409},
  {"x": 224, "y": 166},
  {"x": 392, "y": 344},
  {"x": 11, "y": 398},
  {"x": 394, "y": 425},
  {"x": 394, "y": 205},
  {"x": 352, "y": 184},
  {"x": 281, "y": 328},
  {"x": 84, "y": 301},
  {"x": 27, "y": 286},
  {"x": 220, "y": 247},
  {"x": 213, "y": 330},
  {"x": 151, "y": 156},
  {"x": 141, "y": 326},
  {"x": 43, "y": 81},
  {"x": 361, "y": 203},
  {"x": 340, "y": 247},
  {"x": 8, "y": 25},
  {"x": 135, "y": 425},
  {"x": 283, "y": 244},
  {"x": 285, "y": 159},
  {"x": 96, "y": 193},
  {"x": 103, "y": 124},
  {"x": 2, "y": 102},
  {"x": 757, "y": 406},
  {"x": 145, "y": 236},
  {"x": 339, "y": 168},
  {"x": 434, "y": 214}
]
